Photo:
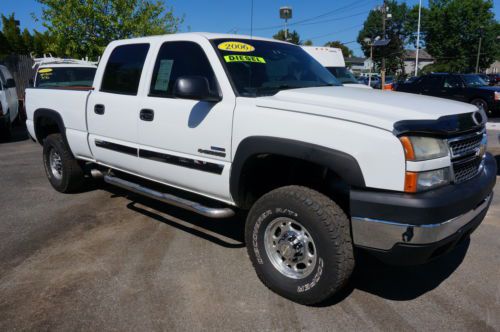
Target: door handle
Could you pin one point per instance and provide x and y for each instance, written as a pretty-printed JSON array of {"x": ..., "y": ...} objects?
[
  {"x": 99, "y": 109},
  {"x": 147, "y": 115}
]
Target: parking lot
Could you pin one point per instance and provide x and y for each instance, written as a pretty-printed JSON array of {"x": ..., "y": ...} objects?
[{"x": 106, "y": 260}]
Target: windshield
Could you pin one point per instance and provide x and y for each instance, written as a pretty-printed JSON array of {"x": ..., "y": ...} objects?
[
  {"x": 263, "y": 68},
  {"x": 65, "y": 77},
  {"x": 343, "y": 75},
  {"x": 474, "y": 81}
]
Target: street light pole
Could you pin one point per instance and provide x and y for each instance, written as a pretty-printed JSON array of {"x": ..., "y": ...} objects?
[
  {"x": 371, "y": 64},
  {"x": 384, "y": 18},
  {"x": 418, "y": 37},
  {"x": 479, "y": 50}
]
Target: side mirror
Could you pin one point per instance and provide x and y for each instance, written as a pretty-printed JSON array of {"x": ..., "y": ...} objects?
[
  {"x": 195, "y": 87},
  {"x": 10, "y": 83},
  {"x": 31, "y": 83}
]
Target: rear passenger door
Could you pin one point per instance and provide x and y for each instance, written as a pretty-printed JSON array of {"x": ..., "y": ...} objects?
[
  {"x": 453, "y": 88},
  {"x": 112, "y": 109},
  {"x": 432, "y": 86},
  {"x": 186, "y": 143}
]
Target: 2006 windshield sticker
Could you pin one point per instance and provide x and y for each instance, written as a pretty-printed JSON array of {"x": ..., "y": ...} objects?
[
  {"x": 244, "y": 58},
  {"x": 233, "y": 46}
]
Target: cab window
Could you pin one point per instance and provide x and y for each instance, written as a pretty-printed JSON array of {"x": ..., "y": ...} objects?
[
  {"x": 177, "y": 59},
  {"x": 124, "y": 68}
]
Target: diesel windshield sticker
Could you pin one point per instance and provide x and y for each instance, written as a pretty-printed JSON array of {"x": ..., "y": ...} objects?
[
  {"x": 244, "y": 58},
  {"x": 45, "y": 70},
  {"x": 233, "y": 46}
]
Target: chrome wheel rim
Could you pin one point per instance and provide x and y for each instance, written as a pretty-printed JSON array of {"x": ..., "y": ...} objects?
[
  {"x": 290, "y": 248},
  {"x": 55, "y": 163}
]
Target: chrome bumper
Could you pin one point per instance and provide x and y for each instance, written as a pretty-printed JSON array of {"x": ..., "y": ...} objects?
[{"x": 383, "y": 235}]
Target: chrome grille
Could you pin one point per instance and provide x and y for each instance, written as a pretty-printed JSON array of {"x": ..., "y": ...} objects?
[
  {"x": 464, "y": 146},
  {"x": 466, "y": 170},
  {"x": 466, "y": 155}
]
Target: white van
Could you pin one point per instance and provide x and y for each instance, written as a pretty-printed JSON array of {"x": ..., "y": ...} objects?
[
  {"x": 333, "y": 60},
  {"x": 9, "y": 104}
]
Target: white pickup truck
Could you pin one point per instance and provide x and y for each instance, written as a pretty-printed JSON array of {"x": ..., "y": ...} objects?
[{"x": 257, "y": 124}]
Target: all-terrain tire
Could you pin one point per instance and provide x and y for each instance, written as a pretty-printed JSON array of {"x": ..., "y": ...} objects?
[
  {"x": 323, "y": 221},
  {"x": 68, "y": 176},
  {"x": 6, "y": 130}
]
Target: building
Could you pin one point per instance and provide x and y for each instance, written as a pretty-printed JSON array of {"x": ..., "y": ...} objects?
[
  {"x": 494, "y": 68},
  {"x": 424, "y": 59},
  {"x": 358, "y": 65}
]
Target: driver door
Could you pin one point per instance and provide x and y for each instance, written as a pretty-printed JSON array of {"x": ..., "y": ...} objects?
[{"x": 183, "y": 142}]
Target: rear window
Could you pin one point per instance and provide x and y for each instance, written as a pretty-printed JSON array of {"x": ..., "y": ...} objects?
[
  {"x": 65, "y": 77},
  {"x": 124, "y": 68}
]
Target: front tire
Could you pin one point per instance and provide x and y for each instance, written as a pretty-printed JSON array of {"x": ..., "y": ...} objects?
[
  {"x": 300, "y": 245},
  {"x": 6, "y": 129},
  {"x": 64, "y": 172},
  {"x": 482, "y": 104}
]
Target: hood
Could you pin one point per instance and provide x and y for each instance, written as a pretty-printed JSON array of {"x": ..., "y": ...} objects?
[
  {"x": 488, "y": 88},
  {"x": 366, "y": 106},
  {"x": 357, "y": 85}
]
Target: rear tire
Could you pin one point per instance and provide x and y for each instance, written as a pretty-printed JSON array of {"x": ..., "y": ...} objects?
[
  {"x": 299, "y": 242},
  {"x": 64, "y": 172}
]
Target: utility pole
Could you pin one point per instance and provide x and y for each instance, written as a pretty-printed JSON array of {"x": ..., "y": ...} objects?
[
  {"x": 384, "y": 17},
  {"x": 418, "y": 37},
  {"x": 479, "y": 49}
]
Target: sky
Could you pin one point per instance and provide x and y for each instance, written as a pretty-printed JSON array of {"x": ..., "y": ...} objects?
[{"x": 326, "y": 19}]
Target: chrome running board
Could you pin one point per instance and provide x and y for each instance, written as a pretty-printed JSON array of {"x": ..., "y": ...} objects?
[{"x": 170, "y": 199}]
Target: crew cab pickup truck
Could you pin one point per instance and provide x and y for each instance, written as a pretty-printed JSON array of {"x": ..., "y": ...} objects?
[{"x": 251, "y": 124}]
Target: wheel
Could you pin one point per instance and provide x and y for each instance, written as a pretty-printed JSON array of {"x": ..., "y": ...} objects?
[
  {"x": 300, "y": 244},
  {"x": 6, "y": 129},
  {"x": 63, "y": 171},
  {"x": 482, "y": 104}
]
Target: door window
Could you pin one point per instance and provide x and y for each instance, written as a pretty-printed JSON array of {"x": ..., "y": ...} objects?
[
  {"x": 176, "y": 59},
  {"x": 452, "y": 82},
  {"x": 124, "y": 68}
]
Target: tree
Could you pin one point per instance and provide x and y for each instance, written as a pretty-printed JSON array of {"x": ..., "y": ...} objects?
[
  {"x": 308, "y": 43},
  {"x": 452, "y": 31},
  {"x": 397, "y": 30},
  {"x": 293, "y": 37},
  {"x": 346, "y": 51},
  {"x": 80, "y": 28},
  {"x": 12, "y": 35}
]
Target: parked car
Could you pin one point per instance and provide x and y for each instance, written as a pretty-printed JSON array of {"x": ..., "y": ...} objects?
[
  {"x": 332, "y": 59},
  {"x": 390, "y": 83},
  {"x": 485, "y": 78},
  {"x": 494, "y": 79},
  {"x": 320, "y": 168},
  {"x": 372, "y": 83},
  {"x": 469, "y": 88},
  {"x": 9, "y": 103}
]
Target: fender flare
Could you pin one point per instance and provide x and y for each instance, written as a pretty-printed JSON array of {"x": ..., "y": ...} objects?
[
  {"x": 48, "y": 113},
  {"x": 343, "y": 164}
]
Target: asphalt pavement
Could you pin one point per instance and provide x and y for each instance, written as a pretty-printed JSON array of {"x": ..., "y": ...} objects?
[{"x": 107, "y": 260}]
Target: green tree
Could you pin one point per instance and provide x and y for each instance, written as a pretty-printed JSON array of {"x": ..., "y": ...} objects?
[
  {"x": 346, "y": 51},
  {"x": 452, "y": 31},
  {"x": 293, "y": 37},
  {"x": 79, "y": 28},
  {"x": 12, "y": 35},
  {"x": 308, "y": 43},
  {"x": 397, "y": 30}
]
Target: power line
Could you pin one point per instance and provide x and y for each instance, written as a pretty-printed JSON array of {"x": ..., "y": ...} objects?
[
  {"x": 334, "y": 32},
  {"x": 307, "y": 21}
]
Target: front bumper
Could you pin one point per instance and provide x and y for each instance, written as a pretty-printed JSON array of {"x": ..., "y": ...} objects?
[{"x": 413, "y": 228}]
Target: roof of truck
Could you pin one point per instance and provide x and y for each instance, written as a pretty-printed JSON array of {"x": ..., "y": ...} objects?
[{"x": 207, "y": 35}]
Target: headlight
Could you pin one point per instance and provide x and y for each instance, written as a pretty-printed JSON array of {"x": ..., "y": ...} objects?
[
  {"x": 419, "y": 148},
  {"x": 423, "y": 181}
]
